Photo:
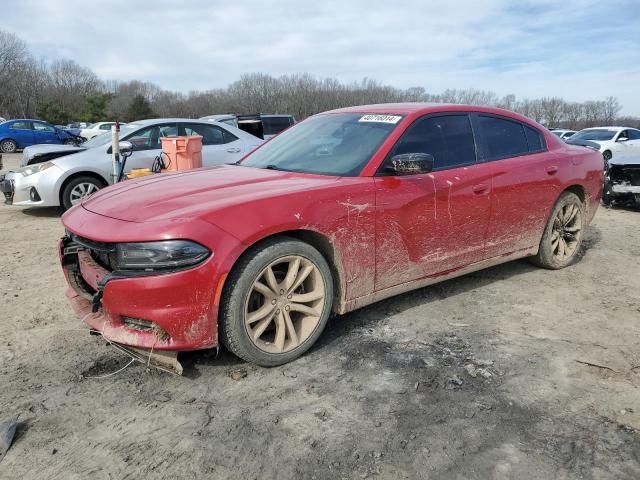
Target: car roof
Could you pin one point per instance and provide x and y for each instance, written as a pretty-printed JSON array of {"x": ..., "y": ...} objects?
[
  {"x": 613, "y": 129},
  {"x": 418, "y": 109}
]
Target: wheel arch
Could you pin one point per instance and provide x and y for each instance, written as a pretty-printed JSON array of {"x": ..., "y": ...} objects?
[
  {"x": 74, "y": 175},
  {"x": 320, "y": 242},
  {"x": 12, "y": 139}
]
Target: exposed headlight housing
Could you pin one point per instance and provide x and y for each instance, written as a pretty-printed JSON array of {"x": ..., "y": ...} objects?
[
  {"x": 161, "y": 255},
  {"x": 31, "y": 169}
]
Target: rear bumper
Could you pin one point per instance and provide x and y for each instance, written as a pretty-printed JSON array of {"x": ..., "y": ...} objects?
[{"x": 173, "y": 311}]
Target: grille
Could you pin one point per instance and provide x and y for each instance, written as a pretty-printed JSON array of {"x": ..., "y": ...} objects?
[
  {"x": 103, "y": 253},
  {"x": 622, "y": 173}
]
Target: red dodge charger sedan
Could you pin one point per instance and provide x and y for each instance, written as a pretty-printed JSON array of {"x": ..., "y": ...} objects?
[{"x": 341, "y": 210}]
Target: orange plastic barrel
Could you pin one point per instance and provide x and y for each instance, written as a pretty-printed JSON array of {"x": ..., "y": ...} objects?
[{"x": 182, "y": 153}]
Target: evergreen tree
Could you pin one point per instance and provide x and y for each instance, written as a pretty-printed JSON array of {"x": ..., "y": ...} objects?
[{"x": 139, "y": 109}]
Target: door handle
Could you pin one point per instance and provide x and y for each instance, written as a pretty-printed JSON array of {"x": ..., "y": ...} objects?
[
  {"x": 233, "y": 150},
  {"x": 480, "y": 188},
  {"x": 552, "y": 169}
]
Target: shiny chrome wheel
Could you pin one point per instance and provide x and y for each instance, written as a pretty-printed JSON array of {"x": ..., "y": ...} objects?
[{"x": 285, "y": 304}]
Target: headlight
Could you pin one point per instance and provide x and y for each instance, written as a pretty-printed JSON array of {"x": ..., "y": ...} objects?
[
  {"x": 162, "y": 255},
  {"x": 31, "y": 169}
]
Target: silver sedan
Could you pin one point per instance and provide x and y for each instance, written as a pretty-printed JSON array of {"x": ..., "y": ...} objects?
[{"x": 66, "y": 180}]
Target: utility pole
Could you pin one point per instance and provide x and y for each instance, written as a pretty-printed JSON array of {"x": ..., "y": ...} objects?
[{"x": 115, "y": 151}]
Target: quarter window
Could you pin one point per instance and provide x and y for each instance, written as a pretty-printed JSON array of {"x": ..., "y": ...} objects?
[
  {"x": 449, "y": 138},
  {"x": 502, "y": 138},
  {"x": 534, "y": 139}
]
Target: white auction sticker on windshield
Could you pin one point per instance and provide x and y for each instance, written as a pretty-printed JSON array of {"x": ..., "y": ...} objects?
[{"x": 381, "y": 118}]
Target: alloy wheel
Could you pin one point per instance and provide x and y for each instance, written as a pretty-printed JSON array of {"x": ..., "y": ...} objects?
[
  {"x": 81, "y": 191},
  {"x": 8, "y": 146},
  {"x": 285, "y": 304},
  {"x": 566, "y": 231}
]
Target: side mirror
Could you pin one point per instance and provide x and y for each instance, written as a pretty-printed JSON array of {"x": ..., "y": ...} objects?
[
  {"x": 622, "y": 139},
  {"x": 411, "y": 163},
  {"x": 126, "y": 148}
]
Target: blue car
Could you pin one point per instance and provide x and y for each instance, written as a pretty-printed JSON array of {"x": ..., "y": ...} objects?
[{"x": 21, "y": 133}]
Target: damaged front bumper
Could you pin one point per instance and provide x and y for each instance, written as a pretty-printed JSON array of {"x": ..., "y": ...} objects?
[
  {"x": 143, "y": 312},
  {"x": 622, "y": 183}
]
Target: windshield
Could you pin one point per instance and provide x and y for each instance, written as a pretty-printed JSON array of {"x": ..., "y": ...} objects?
[
  {"x": 597, "y": 134},
  {"x": 92, "y": 126},
  {"x": 557, "y": 133},
  {"x": 338, "y": 144}
]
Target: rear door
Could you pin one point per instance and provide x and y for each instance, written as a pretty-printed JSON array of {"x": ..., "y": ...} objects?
[
  {"x": 44, "y": 133},
  {"x": 432, "y": 223},
  {"x": 525, "y": 181},
  {"x": 218, "y": 145},
  {"x": 22, "y": 133}
]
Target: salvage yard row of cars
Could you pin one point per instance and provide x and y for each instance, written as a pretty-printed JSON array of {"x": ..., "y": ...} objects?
[{"x": 338, "y": 211}]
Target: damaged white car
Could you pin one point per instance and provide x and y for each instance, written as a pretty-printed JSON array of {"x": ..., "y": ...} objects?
[{"x": 622, "y": 180}]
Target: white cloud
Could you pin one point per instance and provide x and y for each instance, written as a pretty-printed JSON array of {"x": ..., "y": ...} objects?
[{"x": 530, "y": 48}]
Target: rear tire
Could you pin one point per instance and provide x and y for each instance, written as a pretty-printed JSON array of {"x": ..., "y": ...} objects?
[
  {"x": 8, "y": 146},
  {"x": 276, "y": 302},
  {"x": 78, "y": 189},
  {"x": 563, "y": 233}
]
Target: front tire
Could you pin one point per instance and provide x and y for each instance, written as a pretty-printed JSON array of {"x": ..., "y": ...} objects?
[
  {"x": 563, "y": 233},
  {"x": 276, "y": 302},
  {"x": 78, "y": 189},
  {"x": 8, "y": 146},
  {"x": 607, "y": 155}
]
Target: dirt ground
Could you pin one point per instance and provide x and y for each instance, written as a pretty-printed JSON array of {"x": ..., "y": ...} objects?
[{"x": 512, "y": 372}]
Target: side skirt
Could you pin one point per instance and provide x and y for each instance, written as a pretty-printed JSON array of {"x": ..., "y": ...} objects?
[{"x": 425, "y": 282}]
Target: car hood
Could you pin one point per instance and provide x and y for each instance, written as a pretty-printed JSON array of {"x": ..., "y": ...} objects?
[
  {"x": 585, "y": 143},
  {"x": 185, "y": 195},
  {"x": 34, "y": 150}
]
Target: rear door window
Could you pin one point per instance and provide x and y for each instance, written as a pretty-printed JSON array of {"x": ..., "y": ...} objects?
[
  {"x": 502, "y": 138},
  {"x": 449, "y": 138},
  {"x": 211, "y": 135},
  {"x": 22, "y": 126}
]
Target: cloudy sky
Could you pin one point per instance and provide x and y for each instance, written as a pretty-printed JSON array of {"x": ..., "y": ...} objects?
[{"x": 577, "y": 49}]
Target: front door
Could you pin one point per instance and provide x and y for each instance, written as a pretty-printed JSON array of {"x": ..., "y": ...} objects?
[
  {"x": 44, "y": 133},
  {"x": 431, "y": 223},
  {"x": 147, "y": 146}
]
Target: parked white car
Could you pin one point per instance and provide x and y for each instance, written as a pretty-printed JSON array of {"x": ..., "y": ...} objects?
[
  {"x": 96, "y": 129},
  {"x": 68, "y": 179},
  {"x": 562, "y": 133},
  {"x": 609, "y": 140}
]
